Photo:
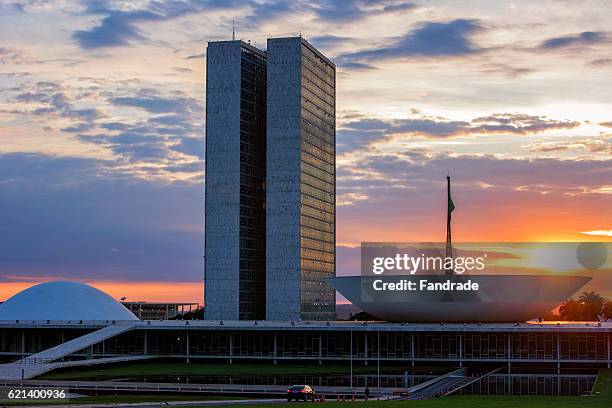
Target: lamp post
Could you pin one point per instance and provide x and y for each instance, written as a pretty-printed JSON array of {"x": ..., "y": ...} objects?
[
  {"x": 351, "y": 358},
  {"x": 378, "y": 357}
]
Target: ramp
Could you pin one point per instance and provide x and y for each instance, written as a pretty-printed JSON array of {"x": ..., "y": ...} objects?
[
  {"x": 438, "y": 386},
  {"x": 45, "y": 360},
  {"x": 74, "y": 345},
  {"x": 467, "y": 381}
]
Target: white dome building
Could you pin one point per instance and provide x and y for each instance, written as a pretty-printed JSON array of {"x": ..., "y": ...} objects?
[{"x": 63, "y": 301}]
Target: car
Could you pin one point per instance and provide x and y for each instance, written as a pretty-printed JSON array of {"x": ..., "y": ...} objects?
[{"x": 300, "y": 392}]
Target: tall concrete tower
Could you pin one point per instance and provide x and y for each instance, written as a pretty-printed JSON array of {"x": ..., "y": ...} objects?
[
  {"x": 270, "y": 216},
  {"x": 235, "y": 226},
  {"x": 300, "y": 182}
]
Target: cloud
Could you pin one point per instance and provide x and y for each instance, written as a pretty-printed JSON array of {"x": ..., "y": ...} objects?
[
  {"x": 505, "y": 69},
  {"x": 89, "y": 114},
  {"x": 119, "y": 26},
  {"x": 158, "y": 104},
  {"x": 55, "y": 101},
  {"x": 601, "y": 62},
  {"x": 172, "y": 124},
  {"x": 329, "y": 41},
  {"x": 603, "y": 233},
  {"x": 152, "y": 136},
  {"x": 518, "y": 123},
  {"x": 32, "y": 97},
  {"x": 382, "y": 176},
  {"x": 77, "y": 218},
  {"x": 149, "y": 150},
  {"x": 191, "y": 146},
  {"x": 589, "y": 145},
  {"x": 196, "y": 56},
  {"x": 60, "y": 101},
  {"x": 183, "y": 70},
  {"x": 352, "y": 10},
  {"x": 350, "y": 198},
  {"x": 12, "y": 7},
  {"x": 361, "y": 133},
  {"x": 364, "y": 132},
  {"x": 586, "y": 38},
  {"x": 116, "y": 29},
  {"x": 11, "y": 55},
  {"x": 76, "y": 128},
  {"x": 114, "y": 126},
  {"x": 431, "y": 39},
  {"x": 136, "y": 144},
  {"x": 564, "y": 176},
  {"x": 356, "y": 66},
  {"x": 170, "y": 120}
]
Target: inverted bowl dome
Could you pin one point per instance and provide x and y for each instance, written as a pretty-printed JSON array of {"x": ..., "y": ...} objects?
[{"x": 500, "y": 298}]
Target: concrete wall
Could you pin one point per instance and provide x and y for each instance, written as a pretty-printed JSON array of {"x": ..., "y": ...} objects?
[
  {"x": 283, "y": 270},
  {"x": 222, "y": 198}
]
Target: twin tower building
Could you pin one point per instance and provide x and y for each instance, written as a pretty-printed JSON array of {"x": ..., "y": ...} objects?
[{"x": 270, "y": 209}]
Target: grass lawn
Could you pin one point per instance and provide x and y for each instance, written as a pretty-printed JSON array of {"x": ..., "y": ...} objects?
[
  {"x": 182, "y": 369},
  {"x": 470, "y": 401},
  {"x": 602, "y": 397},
  {"x": 467, "y": 401},
  {"x": 603, "y": 386}
]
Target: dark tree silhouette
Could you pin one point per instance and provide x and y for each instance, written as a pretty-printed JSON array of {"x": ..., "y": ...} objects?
[
  {"x": 591, "y": 297},
  {"x": 606, "y": 310},
  {"x": 589, "y": 307},
  {"x": 363, "y": 317},
  {"x": 571, "y": 309},
  {"x": 197, "y": 314}
]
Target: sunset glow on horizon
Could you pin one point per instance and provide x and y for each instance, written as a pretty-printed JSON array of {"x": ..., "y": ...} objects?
[{"x": 188, "y": 292}]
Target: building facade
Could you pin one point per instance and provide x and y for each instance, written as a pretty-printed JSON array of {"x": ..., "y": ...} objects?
[
  {"x": 546, "y": 359},
  {"x": 270, "y": 182},
  {"x": 159, "y": 311},
  {"x": 300, "y": 182},
  {"x": 235, "y": 225},
  {"x": 501, "y": 345}
]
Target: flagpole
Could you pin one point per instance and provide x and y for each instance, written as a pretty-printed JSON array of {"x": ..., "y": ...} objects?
[{"x": 449, "y": 243}]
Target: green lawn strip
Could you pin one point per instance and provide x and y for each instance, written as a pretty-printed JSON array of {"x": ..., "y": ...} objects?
[
  {"x": 125, "y": 398},
  {"x": 199, "y": 369},
  {"x": 603, "y": 386},
  {"x": 469, "y": 401}
]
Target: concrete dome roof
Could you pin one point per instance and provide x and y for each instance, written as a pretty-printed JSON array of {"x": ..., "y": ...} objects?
[{"x": 63, "y": 301}]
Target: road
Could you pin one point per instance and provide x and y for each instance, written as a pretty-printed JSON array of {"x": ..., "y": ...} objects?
[
  {"x": 273, "y": 391},
  {"x": 165, "y": 404}
]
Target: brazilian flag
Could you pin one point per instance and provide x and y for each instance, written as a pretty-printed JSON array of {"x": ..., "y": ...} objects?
[{"x": 451, "y": 205}]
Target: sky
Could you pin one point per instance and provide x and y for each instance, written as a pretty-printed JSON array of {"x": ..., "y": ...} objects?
[{"x": 102, "y": 128}]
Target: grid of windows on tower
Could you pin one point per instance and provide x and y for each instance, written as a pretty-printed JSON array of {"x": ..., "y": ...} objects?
[
  {"x": 252, "y": 181},
  {"x": 318, "y": 189}
]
